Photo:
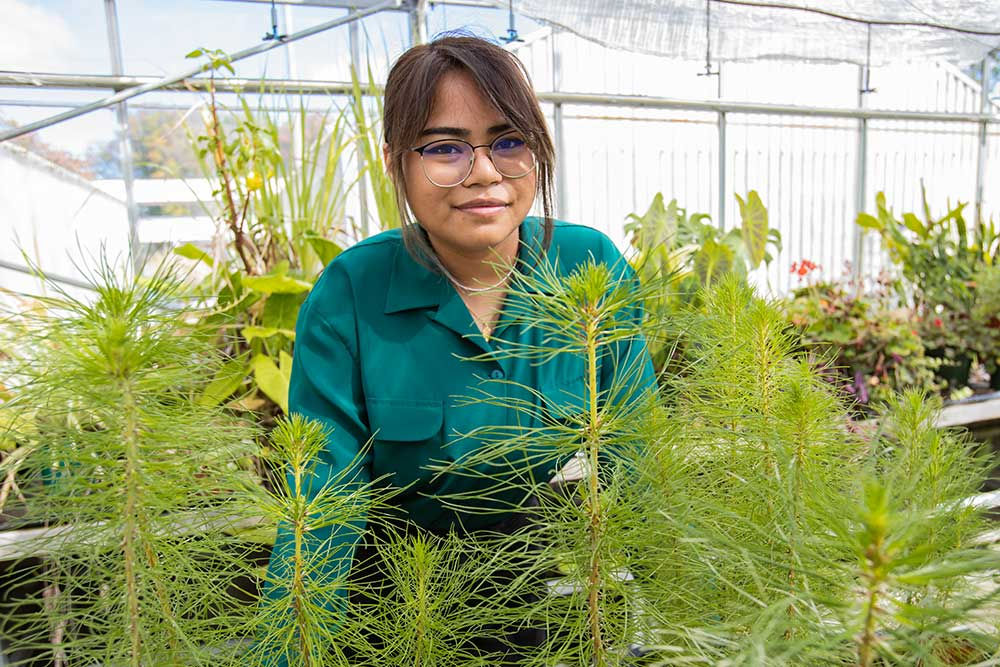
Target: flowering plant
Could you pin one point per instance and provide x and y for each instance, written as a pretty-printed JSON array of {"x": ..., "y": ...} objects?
[{"x": 869, "y": 345}]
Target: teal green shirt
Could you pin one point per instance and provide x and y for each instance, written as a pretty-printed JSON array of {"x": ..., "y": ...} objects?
[{"x": 382, "y": 352}]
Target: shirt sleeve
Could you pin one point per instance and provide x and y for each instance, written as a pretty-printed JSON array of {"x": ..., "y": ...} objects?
[{"x": 326, "y": 386}]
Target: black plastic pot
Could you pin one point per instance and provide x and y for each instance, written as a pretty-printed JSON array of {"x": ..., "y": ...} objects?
[{"x": 953, "y": 369}]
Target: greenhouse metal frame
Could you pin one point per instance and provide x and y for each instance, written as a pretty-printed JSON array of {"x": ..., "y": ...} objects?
[{"x": 127, "y": 87}]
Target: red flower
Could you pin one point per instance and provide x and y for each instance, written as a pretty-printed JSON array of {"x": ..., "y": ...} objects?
[
  {"x": 938, "y": 322},
  {"x": 804, "y": 267}
]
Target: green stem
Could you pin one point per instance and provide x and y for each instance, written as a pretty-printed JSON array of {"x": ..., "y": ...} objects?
[
  {"x": 130, "y": 437},
  {"x": 298, "y": 582},
  {"x": 867, "y": 644},
  {"x": 593, "y": 442},
  {"x": 421, "y": 617}
]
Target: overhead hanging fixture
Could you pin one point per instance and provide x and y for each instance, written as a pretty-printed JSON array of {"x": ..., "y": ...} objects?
[
  {"x": 868, "y": 66},
  {"x": 512, "y": 35},
  {"x": 273, "y": 35},
  {"x": 708, "y": 42}
]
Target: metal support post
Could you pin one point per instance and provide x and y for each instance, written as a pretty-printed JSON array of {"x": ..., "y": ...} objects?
[
  {"x": 121, "y": 114},
  {"x": 722, "y": 171},
  {"x": 291, "y": 73},
  {"x": 981, "y": 152},
  {"x": 562, "y": 203},
  {"x": 860, "y": 180},
  {"x": 355, "y": 45},
  {"x": 418, "y": 22}
]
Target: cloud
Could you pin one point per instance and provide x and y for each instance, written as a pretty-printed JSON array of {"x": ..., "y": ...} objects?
[{"x": 37, "y": 39}]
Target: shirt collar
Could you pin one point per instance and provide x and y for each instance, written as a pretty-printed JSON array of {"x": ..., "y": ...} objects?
[{"x": 412, "y": 285}]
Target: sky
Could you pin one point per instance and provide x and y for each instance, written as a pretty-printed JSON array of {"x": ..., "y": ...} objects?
[{"x": 70, "y": 36}]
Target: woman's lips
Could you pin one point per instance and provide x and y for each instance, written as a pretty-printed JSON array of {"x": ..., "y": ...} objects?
[{"x": 483, "y": 208}]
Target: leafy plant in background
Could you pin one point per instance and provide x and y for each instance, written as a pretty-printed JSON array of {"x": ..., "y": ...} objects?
[
  {"x": 686, "y": 253},
  {"x": 986, "y": 319},
  {"x": 864, "y": 344},
  {"x": 132, "y": 485},
  {"x": 285, "y": 218},
  {"x": 937, "y": 257}
]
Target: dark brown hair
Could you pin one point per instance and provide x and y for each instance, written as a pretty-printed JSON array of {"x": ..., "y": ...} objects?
[{"x": 502, "y": 80}]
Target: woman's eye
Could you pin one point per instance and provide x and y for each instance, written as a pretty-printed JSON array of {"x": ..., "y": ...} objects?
[
  {"x": 508, "y": 144},
  {"x": 444, "y": 149}
]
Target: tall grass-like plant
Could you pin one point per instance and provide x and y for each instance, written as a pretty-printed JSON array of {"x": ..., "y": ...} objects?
[
  {"x": 367, "y": 123},
  {"x": 130, "y": 485}
]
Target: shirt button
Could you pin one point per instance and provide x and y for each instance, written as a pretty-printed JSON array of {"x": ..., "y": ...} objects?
[{"x": 496, "y": 374}]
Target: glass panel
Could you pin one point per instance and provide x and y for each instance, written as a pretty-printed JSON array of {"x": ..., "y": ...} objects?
[
  {"x": 903, "y": 156},
  {"x": 616, "y": 160},
  {"x": 923, "y": 86},
  {"x": 991, "y": 177},
  {"x": 55, "y": 36},
  {"x": 51, "y": 207},
  {"x": 804, "y": 169}
]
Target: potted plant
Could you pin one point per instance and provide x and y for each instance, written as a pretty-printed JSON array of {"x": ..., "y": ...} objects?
[
  {"x": 937, "y": 258},
  {"x": 865, "y": 344}
]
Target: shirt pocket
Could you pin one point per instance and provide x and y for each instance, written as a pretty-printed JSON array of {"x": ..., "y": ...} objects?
[{"x": 406, "y": 436}]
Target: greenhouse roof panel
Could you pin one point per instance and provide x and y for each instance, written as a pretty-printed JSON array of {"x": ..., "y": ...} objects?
[{"x": 961, "y": 31}]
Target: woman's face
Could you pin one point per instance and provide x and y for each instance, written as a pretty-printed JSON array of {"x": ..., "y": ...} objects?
[{"x": 482, "y": 212}]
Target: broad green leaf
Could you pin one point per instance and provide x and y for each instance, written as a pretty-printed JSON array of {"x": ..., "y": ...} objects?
[
  {"x": 712, "y": 260},
  {"x": 266, "y": 332},
  {"x": 326, "y": 249},
  {"x": 227, "y": 380},
  {"x": 867, "y": 221},
  {"x": 271, "y": 380},
  {"x": 281, "y": 310},
  {"x": 914, "y": 225},
  {"x": 191, "y": 251},
  {"x": 276, "y": 284},
  {"x": 754, "y": 228},
  {"x": 285, "y": 363}
]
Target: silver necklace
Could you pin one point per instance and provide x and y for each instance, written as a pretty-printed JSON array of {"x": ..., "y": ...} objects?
[{"x": 474, "y": 290}]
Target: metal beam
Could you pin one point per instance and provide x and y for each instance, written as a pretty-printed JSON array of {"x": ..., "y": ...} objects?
[
  {"x": 860, "y": 182},
  {"x": 189, "y": 73},
  {"x": 11, "y": 79},
  {"x": 642, "y": 101},
  {"x": 121, "y": 114},
  {"x": 722, "y": 172},
  {"x": 418, "y": 21},
  {"x": 362, "y": 4},
  {"x": 224, "y": 85},
  {"x": 45, "y": 275},
  {"x": 981, "y": 152},
  {"x": 559, "y": 133}
]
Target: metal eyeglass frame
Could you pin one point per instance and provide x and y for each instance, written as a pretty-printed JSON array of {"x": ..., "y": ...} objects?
[{"x": 420, "y": 150}]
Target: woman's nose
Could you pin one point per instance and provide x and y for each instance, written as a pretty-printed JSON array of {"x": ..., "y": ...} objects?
[{"x": 484, "y": 172}]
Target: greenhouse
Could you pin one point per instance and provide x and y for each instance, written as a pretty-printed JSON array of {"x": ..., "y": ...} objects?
[{"x": 500, "y": 332}]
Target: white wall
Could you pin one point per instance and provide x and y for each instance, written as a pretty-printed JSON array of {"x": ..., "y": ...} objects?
[{"x": 57, "y": 218}]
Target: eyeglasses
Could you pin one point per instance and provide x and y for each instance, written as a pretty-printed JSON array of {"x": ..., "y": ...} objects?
[{"x": 448, "y": 162}]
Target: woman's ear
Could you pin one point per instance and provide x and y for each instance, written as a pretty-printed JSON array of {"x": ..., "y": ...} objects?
[{"x": 387, "y": 159}]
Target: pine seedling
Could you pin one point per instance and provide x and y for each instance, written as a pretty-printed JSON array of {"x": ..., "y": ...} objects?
[
  {"x": 816, "y": 545},
  {"x": 928, "y": 595},
  {"x": 591, "y": 316},
  {"x": 129, "y": 482},
  {"x": 302, "y": 618}
]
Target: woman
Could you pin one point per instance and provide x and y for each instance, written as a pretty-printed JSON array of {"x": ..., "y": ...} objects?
[{"x": 384, "y": 340}]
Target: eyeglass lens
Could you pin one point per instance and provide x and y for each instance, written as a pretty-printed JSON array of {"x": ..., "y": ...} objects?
[{"x": 449, "y": 162}]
